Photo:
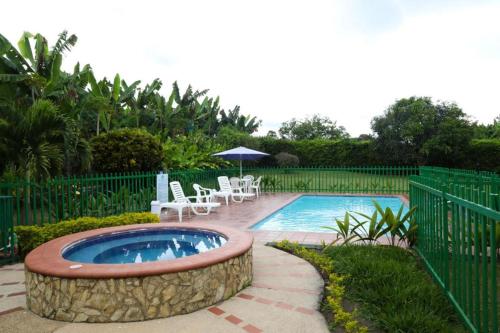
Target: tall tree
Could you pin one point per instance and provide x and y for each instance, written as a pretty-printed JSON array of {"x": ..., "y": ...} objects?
[
  {"x": 316, "y": 127},
  {"x": 417, "y": 131}
]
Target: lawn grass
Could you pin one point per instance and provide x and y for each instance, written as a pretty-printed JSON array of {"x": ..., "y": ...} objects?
[
  {"x": 318, "y": 180},
  {"x": 392, "y": 289}
]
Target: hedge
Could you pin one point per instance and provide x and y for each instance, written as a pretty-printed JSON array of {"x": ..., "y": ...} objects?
[
  {"x": 481, "y": 154},
  {"x": 323, "y": 152},
  {"x": 29, "y": 237}
]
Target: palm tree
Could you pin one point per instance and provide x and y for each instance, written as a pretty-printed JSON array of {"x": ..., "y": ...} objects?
[{"x": 35, "y": 139}]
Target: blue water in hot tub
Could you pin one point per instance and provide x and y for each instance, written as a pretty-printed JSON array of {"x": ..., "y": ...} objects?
[
  {"x": 310, "y": 213},
  {"x": 143, "y": 245}
]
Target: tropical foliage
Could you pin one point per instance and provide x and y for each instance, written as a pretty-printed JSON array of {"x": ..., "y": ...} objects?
[
  {"x": 48, "y": 115},
  {"x": 399, "y": 228},
  {"x": 192, "y": 152}
]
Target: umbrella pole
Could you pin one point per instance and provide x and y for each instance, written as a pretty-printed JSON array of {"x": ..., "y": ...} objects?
[{"x": 241, "y": 171}]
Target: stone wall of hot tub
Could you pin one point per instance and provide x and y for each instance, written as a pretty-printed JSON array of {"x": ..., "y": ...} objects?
[{"x": 137, "y": 298}]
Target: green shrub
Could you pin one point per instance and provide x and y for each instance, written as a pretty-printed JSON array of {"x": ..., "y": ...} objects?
[
  {"x": 285, "y": 160},
  {"x": 126, "y": 150},
  {"x": 29, "y": 237}
]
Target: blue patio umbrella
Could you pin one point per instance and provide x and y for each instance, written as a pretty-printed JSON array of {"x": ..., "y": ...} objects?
[{"x": 241, "y": 153}]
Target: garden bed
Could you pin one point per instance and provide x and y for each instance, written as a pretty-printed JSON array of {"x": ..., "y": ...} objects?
[{"x": 389, "y": 286}]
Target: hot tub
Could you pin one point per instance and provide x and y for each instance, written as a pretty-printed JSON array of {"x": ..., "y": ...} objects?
[{"x": 138, "y": 272}]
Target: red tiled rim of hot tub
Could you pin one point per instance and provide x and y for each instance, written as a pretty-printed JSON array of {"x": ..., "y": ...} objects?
[{"x": 47, "y": 258}]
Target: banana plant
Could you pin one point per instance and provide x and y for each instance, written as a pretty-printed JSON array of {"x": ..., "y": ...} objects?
[
  {"x": 37, "y": 67},
  {"x": 107, "y": 99},
  {"x": 241, "y": 122}
]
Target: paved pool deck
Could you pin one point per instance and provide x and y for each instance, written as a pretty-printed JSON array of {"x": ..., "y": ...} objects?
[{"x": 284, "y": 295}]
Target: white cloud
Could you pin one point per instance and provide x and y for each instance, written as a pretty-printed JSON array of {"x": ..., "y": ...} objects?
[{"x": 283, "y": 59}]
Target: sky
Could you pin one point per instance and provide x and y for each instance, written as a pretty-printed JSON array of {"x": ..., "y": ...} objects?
[{"x": 345, "y": 59}]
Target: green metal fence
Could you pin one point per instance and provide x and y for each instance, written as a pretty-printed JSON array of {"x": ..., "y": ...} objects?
[
  {"x": 383, "y": 180},
  {"x": 458, "y": 217},
  {"x": 100, "y": 195},
  {"x": 6, "y": 230},
  {"x": 93, "y": 195}
]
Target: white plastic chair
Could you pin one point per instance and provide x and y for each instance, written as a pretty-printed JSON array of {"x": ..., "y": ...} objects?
[
  {"x": 235, "y": 182},
  {"x": 203, "y": 193},
  {"x": 181, "y": 201},
  {"x": 226, "y": 191},
  {"x": 246, "y": 182},
  {"x": 256, "y": 186},
  {"x": 249, "y": 177}
]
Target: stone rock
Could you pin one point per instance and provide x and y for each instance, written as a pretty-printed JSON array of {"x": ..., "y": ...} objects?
[
  {"x": 139, "y": 295},
  {"x": 72, "y": 287},
  {"x": 98, "y": 301},
  {"x": 152, "y": 312},
  {"x": 165, "y": 310},
  {"x": 63, "y": 315},
  {"x": 90, "y": 311},
  {"x": 133, "y": 314},
  {"x": 198, "y": 297},
  {"x": 130, "y": 301},
  {"x": 117, "y": 314},
  {"x": 168, "y": 293},
  {"x": 81, "y": 317}
]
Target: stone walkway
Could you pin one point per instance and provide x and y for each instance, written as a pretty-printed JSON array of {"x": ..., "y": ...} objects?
[{"x": 284, "y": 295}]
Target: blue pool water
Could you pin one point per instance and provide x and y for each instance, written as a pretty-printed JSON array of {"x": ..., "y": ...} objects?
[
  {"x": 143, "y": 245},
  {"x": 310, "y": 213}
]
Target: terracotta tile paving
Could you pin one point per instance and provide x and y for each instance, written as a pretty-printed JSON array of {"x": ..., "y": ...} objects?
[
  {"x": 245, "y": 296},
  {"x": 233, "y": 319},
  {"x": 285, "y": 306},
  {"x": 304, "y": 310},
  {"x": 251, "y": 329},
  {"x": 11, "y": 310},
  {"x": 216, "y": 311},
  {"x": 9, "y": 283},
  {"x": 17, "y": 294},
  {"x": 264, "y": 300}
]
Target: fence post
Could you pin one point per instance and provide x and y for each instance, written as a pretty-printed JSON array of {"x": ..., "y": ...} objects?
[
  {"x": 6, "y": 229},
  {"x": 444, "y": 253}
]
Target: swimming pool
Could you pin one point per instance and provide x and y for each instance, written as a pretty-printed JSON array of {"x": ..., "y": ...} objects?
[{"x": 311, "y": 212}]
